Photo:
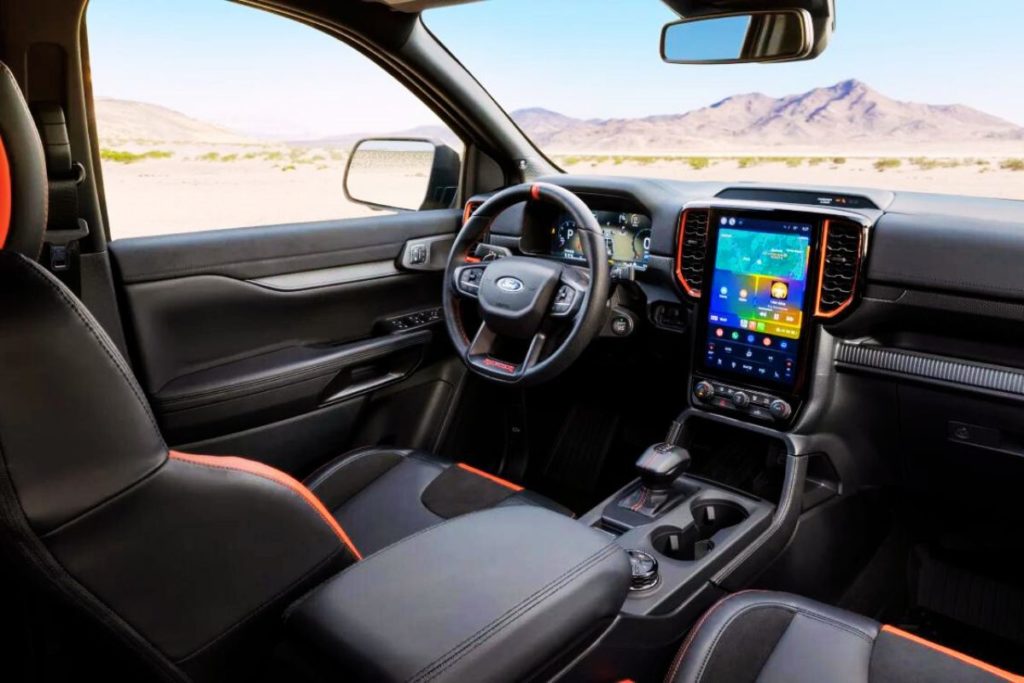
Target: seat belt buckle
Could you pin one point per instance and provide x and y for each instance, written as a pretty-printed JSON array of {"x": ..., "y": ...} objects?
[
  {"x": 60, "y": 245},
  {"x": 59, "y": 259}
]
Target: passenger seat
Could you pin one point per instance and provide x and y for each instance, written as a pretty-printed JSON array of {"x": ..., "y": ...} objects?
[{"x": 781, "y": 638}]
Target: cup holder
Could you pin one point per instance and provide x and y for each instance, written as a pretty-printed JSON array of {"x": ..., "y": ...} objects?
[{"x": 695, "y": 541}]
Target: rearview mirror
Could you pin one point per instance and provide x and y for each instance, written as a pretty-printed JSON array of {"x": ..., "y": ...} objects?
[
  {"x": 407, "y": 174},
  {"x": 768, "y": 36}
]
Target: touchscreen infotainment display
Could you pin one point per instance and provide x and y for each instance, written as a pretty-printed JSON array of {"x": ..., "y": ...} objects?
[
  {"x": 627, "y": 236},
  {"x": 756, "y": 298}
]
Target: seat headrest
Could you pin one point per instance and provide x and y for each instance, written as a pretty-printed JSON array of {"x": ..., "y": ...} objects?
[{"x": 23, "y": 193}]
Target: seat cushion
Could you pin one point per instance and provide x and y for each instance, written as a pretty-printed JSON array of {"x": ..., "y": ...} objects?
[
  {"x": 382, "y": 495},
  {"x": 776, "y": 637}
]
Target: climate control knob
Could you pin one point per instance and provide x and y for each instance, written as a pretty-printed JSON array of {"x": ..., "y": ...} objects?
[
  {"x": 779, "y": 409},
  {"x": 741, "y": 399},
  {"x": 704, "y": 390}
]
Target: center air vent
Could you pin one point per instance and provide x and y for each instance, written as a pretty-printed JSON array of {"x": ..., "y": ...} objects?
[
  {"x": 840, "y": 265},
  {"x": 693, "y": 239}
]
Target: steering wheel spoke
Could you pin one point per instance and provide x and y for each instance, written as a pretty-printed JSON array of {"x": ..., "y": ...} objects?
[
  {"x": 479, "y": 355},
  {"x": 568, "y": 299},
  {"x": 466, "y": 280}
]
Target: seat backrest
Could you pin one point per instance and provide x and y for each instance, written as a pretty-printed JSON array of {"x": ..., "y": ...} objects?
[{"x": 181, "y": 557}]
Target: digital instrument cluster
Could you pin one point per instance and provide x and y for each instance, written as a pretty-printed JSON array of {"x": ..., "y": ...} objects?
[{"x": 627, "y": 237}]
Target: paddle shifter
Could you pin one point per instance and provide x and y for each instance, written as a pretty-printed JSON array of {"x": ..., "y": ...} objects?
[{"x": 658, "y": 467}]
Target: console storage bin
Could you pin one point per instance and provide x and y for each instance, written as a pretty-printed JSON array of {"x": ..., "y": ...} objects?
[{"x": 502, "y": 594}]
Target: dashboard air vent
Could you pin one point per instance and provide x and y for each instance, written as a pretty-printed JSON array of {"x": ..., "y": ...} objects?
[
  {"x": 842, "y": 250},
  {"x": 693, "y": 239}
]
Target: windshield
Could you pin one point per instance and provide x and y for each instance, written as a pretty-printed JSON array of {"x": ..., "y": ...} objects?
[{"x": 924, "y": 95}]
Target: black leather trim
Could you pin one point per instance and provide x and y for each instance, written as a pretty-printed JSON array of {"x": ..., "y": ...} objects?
[
  {"x": 75, "y": 425},
  {"x": 183, "y": 562},
  {"x": 341, "y": 479},
  {"x": 493, "y": 595},
  {"x": 747, "y": 637},
  {"x": 897, "y": 660},
  {"x": 381, "y": 495},
  {"x": 29, "y": 202},
  {"x": 250, "y": 253},
  {"x": 458, "y": 492},
  {"x": 701, "y": 645}
]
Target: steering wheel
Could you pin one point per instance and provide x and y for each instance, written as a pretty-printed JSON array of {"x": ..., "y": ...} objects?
[{"x": 526, "y": 300}]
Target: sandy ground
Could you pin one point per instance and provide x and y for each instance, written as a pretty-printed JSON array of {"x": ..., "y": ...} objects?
[
  {"x": 198, "y": 189},
  {"x": 968, "y": 178}
]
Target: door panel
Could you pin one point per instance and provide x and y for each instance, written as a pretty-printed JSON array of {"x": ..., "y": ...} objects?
[{"x": 281, "y": 343}]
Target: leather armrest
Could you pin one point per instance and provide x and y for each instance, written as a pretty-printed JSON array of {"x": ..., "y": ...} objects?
[{"x": 492, "y": 595}]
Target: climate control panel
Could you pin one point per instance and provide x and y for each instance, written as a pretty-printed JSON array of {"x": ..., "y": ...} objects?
[{"x": 746, "y": 402}]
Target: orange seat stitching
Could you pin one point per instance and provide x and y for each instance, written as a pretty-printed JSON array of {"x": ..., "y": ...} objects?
[{"x": 276, "y": 476}]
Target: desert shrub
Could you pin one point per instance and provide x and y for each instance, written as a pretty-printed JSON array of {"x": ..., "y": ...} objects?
[
  {"x": 1012, "y": 165},
  {"x": 838, "y": 161},
  {"x": 122, "y": 157},
  {"x": 885, "y": 164},
  {"x": 698, "y": 163}
]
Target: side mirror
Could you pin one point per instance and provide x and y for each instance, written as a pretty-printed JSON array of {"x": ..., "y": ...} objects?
[
  {"x": 738, "y": 38},
  {"x": 407, "y": 174}
]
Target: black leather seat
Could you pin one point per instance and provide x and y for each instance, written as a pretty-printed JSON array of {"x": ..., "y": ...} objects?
[
  {"x": 381, "y": 495},
  {"x": 185, "y": 559},
  {"x": 781, "y": 638}
]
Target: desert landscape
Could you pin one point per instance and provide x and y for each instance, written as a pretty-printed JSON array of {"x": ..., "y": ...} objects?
[{"x": 165, "y": 172}]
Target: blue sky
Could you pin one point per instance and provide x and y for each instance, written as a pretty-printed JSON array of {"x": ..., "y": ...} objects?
[{"x": 590, "y": 58}]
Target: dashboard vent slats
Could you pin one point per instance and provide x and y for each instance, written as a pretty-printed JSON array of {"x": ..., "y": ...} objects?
[
  {"x": 693, "y": 239},
  {"x": 841, "y": 253}
]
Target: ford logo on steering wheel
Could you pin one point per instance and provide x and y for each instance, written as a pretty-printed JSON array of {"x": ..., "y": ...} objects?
[{"x": 509, "y": 284}]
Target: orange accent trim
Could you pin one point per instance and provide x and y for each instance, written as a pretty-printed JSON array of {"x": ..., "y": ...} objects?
[
  {"x": 467, "y": 213},
  {"x": 487, "y": 475},
  {"x": 995, "y": 671},
  {"x": 277, "y": 476},
  {"x": 5, "y": 196},
  {"x": 535, "y": 193},
  {"x": 690, "y": 291},
  {"x": 472, "y": 259},
  {"x": 821, "y": 272}
]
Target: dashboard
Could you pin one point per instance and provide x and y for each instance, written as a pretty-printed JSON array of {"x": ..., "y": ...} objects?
[
  {"x": 865, "y": 281},
  {"x": 627, "y": 237}
]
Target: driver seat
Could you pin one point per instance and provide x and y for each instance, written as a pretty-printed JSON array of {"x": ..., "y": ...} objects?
[{"x": 186, "y": 560}]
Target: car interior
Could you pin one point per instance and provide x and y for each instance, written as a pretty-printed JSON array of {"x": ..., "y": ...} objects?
[{"x": 549, "y": 426}]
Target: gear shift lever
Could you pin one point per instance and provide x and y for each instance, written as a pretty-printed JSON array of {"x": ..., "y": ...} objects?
[
  {"x": 658, "y": 467},
  {"x": 661, "y": 463}
]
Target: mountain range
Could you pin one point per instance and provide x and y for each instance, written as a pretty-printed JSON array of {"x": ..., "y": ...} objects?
[{"x": 848, "y": 114}]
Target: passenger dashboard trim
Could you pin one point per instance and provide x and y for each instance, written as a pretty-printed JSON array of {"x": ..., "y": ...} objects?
[{"x": 932, "y": 369}]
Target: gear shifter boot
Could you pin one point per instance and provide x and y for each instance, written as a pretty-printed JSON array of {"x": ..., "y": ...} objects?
[
  {"x": 646, "y": 501},
  {"x": 661, "y": 463}
]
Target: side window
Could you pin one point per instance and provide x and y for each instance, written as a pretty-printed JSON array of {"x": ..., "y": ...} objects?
[{"x": 216, "y": 115}]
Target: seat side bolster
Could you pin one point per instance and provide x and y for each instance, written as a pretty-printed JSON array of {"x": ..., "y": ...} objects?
[{"x": 705, "y": 641}]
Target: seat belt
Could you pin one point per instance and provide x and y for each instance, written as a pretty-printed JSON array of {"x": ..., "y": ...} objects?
[{"x": 65, "y": 228}]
